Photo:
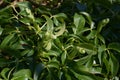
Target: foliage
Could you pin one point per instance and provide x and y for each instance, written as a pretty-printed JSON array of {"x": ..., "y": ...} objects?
[{"x": 59, "y": 40}]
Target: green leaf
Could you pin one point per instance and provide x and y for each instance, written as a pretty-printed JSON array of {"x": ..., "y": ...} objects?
[
  {"x": 6, "y": 40},
  {"x": 88, "y": 46},
  {"x": 91, "y": 35},
  {"x": 49, "y": 24},
  {"x": 60, "y": 15},
  {"x": 83, "y": 60},
  {"x": 38, "y": 70},
  {"x": 88, "y": 17},
  {"x": 21, "y": 78},
  {"x": 60, "y": 30},
  {"x": 101, "y": 50},
  {"x": 79, "y": 22},
  {"x": 68, "y": 77},
  {"x": 24, "y": 5},
  {"x": 4, "y": 72},
  {"x": 89, "y": 63},
  {"x": 114, "y": 46},
  {"x": 102, "y": 24},
  {"x": 114, "y": 65},
  {"x": 25, "y": 20},
  {"x": 101, "y": 38},
  {"x": 106, "y": 62},
  {"x": 48, "y": 45},
  {"x": 30, "y": 53},
  {"x": 56, "y": 22},
  {"x": 82, "y": 76},
  {"x": 63, "y": 57},
  {"x": 53, "y": 65},
  {"x": 1, "y": 30},
  {"x": 23, "y": 74},
  {"x": 72, "y": 53}
]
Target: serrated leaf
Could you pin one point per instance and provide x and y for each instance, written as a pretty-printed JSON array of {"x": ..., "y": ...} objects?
[{"x": 114, "y": 46}]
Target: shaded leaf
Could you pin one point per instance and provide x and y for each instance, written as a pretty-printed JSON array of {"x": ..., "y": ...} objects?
[
  {"x": 114, "y": 46},
  {"x": 88, "y": 46},
  {"x": 53, "y": 65},
  {"x": 101, "y": 49},
  {"x": 114, "y": 65},
  {"x": 38, "y": 70},
  {"x": 102, "y": 24},
  {"x": 82, "y": 76},
  {"x": 1, "y": 30},
  {"x": 88, "y": 17},
  {"x": 63, "y": 57},
  {"x": 6, "y": 40}
]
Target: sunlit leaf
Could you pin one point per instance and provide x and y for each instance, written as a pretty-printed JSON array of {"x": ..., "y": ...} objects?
[
  {"x": 4, "y": 72},
  {"x": 22, "y": 74},
  {"x": 79, "y": 22},
  {"x": 61, "y": 30},
  {"x": 49, "y": 23},
  {"x": 61, "y": 15}
]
